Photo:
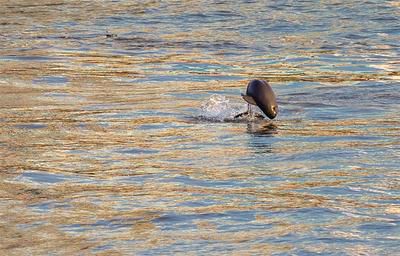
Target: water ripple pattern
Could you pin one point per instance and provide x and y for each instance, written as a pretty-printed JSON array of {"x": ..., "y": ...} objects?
[{"x": 117, "y": 134}]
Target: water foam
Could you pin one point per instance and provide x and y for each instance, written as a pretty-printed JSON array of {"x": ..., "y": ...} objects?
[{"x": 219, "y": 108}]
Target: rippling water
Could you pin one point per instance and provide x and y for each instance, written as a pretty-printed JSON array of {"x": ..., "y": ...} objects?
[{"x": 107, "y": 147}]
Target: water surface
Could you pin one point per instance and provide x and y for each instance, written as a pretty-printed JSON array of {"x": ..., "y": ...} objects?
[{"x": 106, "y": 149}]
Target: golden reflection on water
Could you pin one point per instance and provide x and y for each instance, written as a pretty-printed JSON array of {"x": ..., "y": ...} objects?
[
  {"x": 69, "y": 126},
  {"x": 104, "y": 128}
]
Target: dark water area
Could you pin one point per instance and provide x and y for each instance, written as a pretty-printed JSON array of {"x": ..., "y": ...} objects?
[{"x": 117, "y": 136}]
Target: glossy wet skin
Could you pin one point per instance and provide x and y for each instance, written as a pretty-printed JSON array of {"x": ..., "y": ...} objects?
[{"x": 264, "y": 97}]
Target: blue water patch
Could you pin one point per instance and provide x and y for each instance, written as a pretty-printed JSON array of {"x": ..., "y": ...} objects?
[
  {"x": 151, "y": 126},
  {"x": 344, "y": 138},
  {"x": 75, "y": 228},
  {"x": 382, "y": 228},
  {"x": 198, "y": 203},
  {"x": 47, "y": 178},
  {"x": 55, "y": 80},
  {"x": 138, "y": 151},
  {"x": 297, "y": 59},
  {"x": 30, "y": 58},
  {"x": 31, "y": 126},
  {"x": 355, "y": 68},
  {"x": 371, "y": 84},
  {"x": 312, "y": 215},
  {"x": 103, "y": 248},
  {"x": 43, "y": 177}
]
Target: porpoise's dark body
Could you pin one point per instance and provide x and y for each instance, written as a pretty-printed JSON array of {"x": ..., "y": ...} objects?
[{"x": 260, "y": 93}]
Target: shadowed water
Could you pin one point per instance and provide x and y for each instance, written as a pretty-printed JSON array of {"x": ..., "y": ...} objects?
[{"x": 117, "y": 136}]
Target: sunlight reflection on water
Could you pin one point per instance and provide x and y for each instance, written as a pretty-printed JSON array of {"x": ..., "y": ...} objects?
[{"x": 117, "y": 134}]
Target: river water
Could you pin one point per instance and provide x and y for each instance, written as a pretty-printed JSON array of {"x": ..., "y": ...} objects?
[{"x": 116, "y": 134}]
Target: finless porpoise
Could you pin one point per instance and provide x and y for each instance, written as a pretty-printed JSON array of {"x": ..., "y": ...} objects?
[{"x": 260, "y": 93}]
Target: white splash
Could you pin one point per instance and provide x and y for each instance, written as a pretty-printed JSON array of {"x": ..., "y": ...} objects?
[{"x": 219, "y": 108}]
